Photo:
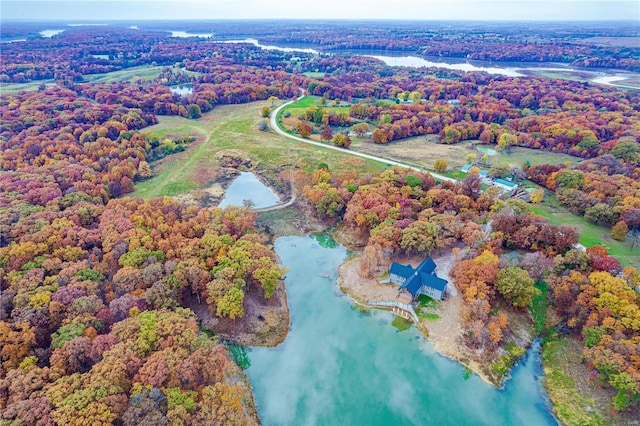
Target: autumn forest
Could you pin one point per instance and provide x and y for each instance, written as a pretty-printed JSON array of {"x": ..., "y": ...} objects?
[{"x": 121, "y": 310}]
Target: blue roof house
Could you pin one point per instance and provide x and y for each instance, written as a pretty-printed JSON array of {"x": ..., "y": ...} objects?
[
  {"x": 482, "y": 172},
  {"x": 421, "y": 280}
]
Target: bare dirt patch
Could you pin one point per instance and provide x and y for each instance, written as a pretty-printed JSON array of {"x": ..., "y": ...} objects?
[
  {"x": 422, "y": 150},
  {"x": 296, "y": 219}
]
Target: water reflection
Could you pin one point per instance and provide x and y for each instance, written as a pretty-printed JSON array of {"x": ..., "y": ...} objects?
[
  {"x": 339, "y": 367},
  {"x": 414, "y": 61},
  {"x": 247, "y": 189}
]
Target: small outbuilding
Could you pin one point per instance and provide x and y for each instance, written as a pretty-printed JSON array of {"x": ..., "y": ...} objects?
[{"x": 504, "y": 184}]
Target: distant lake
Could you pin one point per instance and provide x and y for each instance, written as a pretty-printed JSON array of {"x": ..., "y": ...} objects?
[
  {"x": 339, "y": 366},
  {"x": 269, "y": 47},
  {"x": 182, "y": 90},
  {"x": 50, "y": 33},
  {"x": 248, "y": 187},
  {"x": 183, "y": 34},
  {"x": 414, "y": 61},
  {"x": 399, "y": 58}
]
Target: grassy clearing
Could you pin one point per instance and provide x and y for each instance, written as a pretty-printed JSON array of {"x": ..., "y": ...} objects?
[
  {"x": 590, "y": 233},
  {"x": 300, "y": 106},
  {"x": 425, "y": 150},
  {"x": 520, "y": 155},
  {"x": 234, "y": 127},
  {"x": 312, "y": 74},
  {"x": 129, "y": 74},
  {"x": 456, "y": 174},
  {"x": 557, "y": 75},
  {"x": 13, "y": 88},
  {"x": 427, "y": 316},
  {"x": 570, "y": 405},
  {"x": 305, "y": 102},
  {"x": 539, "y": 307}
]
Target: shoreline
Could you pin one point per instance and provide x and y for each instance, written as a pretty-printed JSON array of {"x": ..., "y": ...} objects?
[{"x": 445, "y": 333}]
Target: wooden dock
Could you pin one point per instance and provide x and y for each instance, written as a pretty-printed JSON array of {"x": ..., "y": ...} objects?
[{"x": 400, "y": 309}]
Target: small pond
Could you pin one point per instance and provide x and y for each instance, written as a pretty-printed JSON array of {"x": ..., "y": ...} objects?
[
  {"x": 488, "y": 151},
  {"x": 341, "y": 366},
  {"x": 182, "y": 90},
  {"x": 248, "y": 187}
]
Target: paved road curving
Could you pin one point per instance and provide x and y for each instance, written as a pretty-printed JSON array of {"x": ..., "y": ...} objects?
[{"x": 274, "y": 125}]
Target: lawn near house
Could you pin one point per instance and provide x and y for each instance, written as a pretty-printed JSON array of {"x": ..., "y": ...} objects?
[{"x": 590, "y": 233}]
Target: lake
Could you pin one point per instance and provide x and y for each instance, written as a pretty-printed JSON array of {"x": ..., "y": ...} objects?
[
  {"x": 414, "y": 61},
  {"x": 339, "y": 366},
  {"x": 50, "y": 33},
  {"x": 269, "y": 47},
  {"x": 393, "y": 58},
  {"x": 248, "y": 187},
  {"x": 183, "y": 34}
]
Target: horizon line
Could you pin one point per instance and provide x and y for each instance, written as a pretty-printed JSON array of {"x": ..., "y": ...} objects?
[{"x": 630, "y": 20}]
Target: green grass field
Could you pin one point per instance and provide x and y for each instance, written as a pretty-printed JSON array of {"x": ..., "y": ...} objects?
[
  {"x": 301, "y": 105},
  {"x": 557, "y": 75},
  {"x": 129, "y": 74},
  {"x": 13, "y": 88},
  {"x": 590, "y": 233},
  {"x": 538, "y": 307},
  {"x": 520, "y": 155},
  {"x": 234, "y": 127},
  {"x": 312, "y": 74}
]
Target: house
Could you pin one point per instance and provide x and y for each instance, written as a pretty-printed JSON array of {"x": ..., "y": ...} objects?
[
  {"x": 421, "y": 280},
  {"x": 504, "y": 184},
  {"x": 482, "y": 172}
]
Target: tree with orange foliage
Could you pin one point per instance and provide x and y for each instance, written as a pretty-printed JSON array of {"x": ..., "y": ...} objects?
[{"x": 16, "y": 341}]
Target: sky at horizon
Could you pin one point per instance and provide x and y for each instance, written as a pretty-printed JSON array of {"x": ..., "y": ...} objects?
[{"x": 478, "y": 10}]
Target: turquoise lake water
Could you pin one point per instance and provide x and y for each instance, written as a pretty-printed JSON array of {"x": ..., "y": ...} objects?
[
  {"x": 339, "y": 366},
  {"x": 248, "y": 187}
]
